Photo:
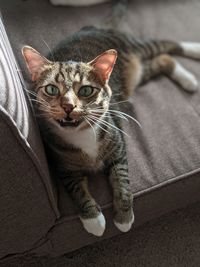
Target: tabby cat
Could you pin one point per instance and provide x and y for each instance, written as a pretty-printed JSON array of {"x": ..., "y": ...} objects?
[{"x": 73, "y": 91}]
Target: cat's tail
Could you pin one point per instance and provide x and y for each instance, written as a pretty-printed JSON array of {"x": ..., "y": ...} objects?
[{"x": 151, "y": 49}]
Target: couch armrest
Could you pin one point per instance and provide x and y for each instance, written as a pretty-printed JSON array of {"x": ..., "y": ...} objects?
[{"x": 27, "y": 203}]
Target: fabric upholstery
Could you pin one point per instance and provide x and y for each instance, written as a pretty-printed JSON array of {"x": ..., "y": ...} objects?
[
  {"x": 164, "y": 156},
  {"x": 27, "y": 205},
  {"x": 77, "y": 2}
]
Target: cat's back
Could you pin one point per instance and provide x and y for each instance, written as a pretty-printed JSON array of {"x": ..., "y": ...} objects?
[{"x": 89, "y": 42}]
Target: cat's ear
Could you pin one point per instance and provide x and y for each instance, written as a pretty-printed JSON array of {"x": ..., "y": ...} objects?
[
  {"x": 104, "y": 63},
  {"x": 34, "y": 61}
]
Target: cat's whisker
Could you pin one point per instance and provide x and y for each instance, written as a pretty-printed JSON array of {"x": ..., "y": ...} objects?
[
  {"x": 107, "y": 115},
  {"x": 127, "y": 115},
  {"x": 48, "y": 49},
  {"x": 101, "y": 115},
  {"x": 90, "y": 103},
  {"x": 40, "y": 99},
  {"x": 109, "y": 124},
  {"x": 117, "y": 94},
  {"x": 117, "y": 115},
  {"x": 120, "y": 113},
  {"x": 111, "y": 114},
  {"x": 39, "y": 102},
  {"x": 96, "y": 123},
  {"x": 95, "y": 135},
  {"x": 116, "y": 103},
  {"x": 27, "y": 90},
  {"x": 41, "y": 115},
  {"x": 48, "y": 110},
  {"x": 48, "y": 107},
  {"x": 30, "y": 92},
  {"x": 35, "y": 94}
]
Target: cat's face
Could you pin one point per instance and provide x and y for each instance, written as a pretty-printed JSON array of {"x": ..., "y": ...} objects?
[{"x": 71, "y": 94}]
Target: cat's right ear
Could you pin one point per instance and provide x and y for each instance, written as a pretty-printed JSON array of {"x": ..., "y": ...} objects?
[
  {"x": 35, "y": 62},
  {"x": 104, "y": 63}
]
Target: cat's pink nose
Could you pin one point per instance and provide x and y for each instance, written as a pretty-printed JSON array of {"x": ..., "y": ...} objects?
[{"x": 68, "y": 108}]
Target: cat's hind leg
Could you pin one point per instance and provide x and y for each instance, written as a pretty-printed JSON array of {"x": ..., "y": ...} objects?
[
  {"x": 166, "y": 64},
  {"x": 190, "y": 49}
]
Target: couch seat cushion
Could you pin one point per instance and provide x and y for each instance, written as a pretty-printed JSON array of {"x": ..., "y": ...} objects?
[{"x": 164, "y": 156}]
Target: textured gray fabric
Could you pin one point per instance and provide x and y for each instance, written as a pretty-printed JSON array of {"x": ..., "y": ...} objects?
[
  {"x": 27, "y": 206},
  {"x": 14, "y": 101},
  {"x": 165, "y": 154},
  {"x": 25, "y": 211},
  {"x": 77, "y": 2},
  {"x": 173, "y": 240}
]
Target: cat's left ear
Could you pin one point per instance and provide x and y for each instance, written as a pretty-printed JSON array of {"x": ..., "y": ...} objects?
[
  {"x": 35, "y": 62},
  {"x": 104, "y": 63}
]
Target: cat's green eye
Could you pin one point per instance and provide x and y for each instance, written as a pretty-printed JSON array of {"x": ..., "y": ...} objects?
[
  {"x": 52, "y": 90},
  {"x": 85, "y": 91}
]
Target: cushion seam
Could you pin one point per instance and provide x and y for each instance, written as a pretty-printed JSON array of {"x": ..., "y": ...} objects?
[{"x": 138, "y": 193}]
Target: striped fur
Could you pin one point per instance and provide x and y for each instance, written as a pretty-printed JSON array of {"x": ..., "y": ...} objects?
[{"x": 97, "y": 140}]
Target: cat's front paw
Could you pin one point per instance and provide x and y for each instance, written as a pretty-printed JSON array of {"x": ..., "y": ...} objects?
[
  {"x": 95, "y": 226},
  {"x": 124, "y": 221}
]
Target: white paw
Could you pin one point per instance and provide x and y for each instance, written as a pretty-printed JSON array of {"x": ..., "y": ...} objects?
[
  {"x": 191, "y": 49},
  {"x": 185, "y": 78},
  {"x": 189, "y": 82},
  {"x": 124, "y": 227},
  {"x": 95, "y": 226}
]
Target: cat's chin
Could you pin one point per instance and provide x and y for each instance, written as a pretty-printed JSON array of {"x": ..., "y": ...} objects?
[{"x": 69, "y": 122}]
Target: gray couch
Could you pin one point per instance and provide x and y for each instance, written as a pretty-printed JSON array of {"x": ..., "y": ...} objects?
[{"x": 36, "y": 215}]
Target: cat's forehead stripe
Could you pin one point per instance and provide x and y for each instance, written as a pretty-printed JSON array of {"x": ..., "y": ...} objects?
[
  {"x": 59, "y": 77},
  {"x": 74, "y": 72},
  {"x": 70, "y": 72},
  {"x": 62, "y": 76}
]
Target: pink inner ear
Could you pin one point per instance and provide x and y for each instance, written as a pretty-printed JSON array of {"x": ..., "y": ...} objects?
[
  {"x": 104, "y": 63},
  {"x": 34, "y": 61}
]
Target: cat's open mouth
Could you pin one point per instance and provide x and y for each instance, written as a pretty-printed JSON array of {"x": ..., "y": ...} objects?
[{"x": 69, "y": 122}]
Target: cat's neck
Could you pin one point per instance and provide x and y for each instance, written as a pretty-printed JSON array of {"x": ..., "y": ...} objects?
[{"x": 86, "y": 140}]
